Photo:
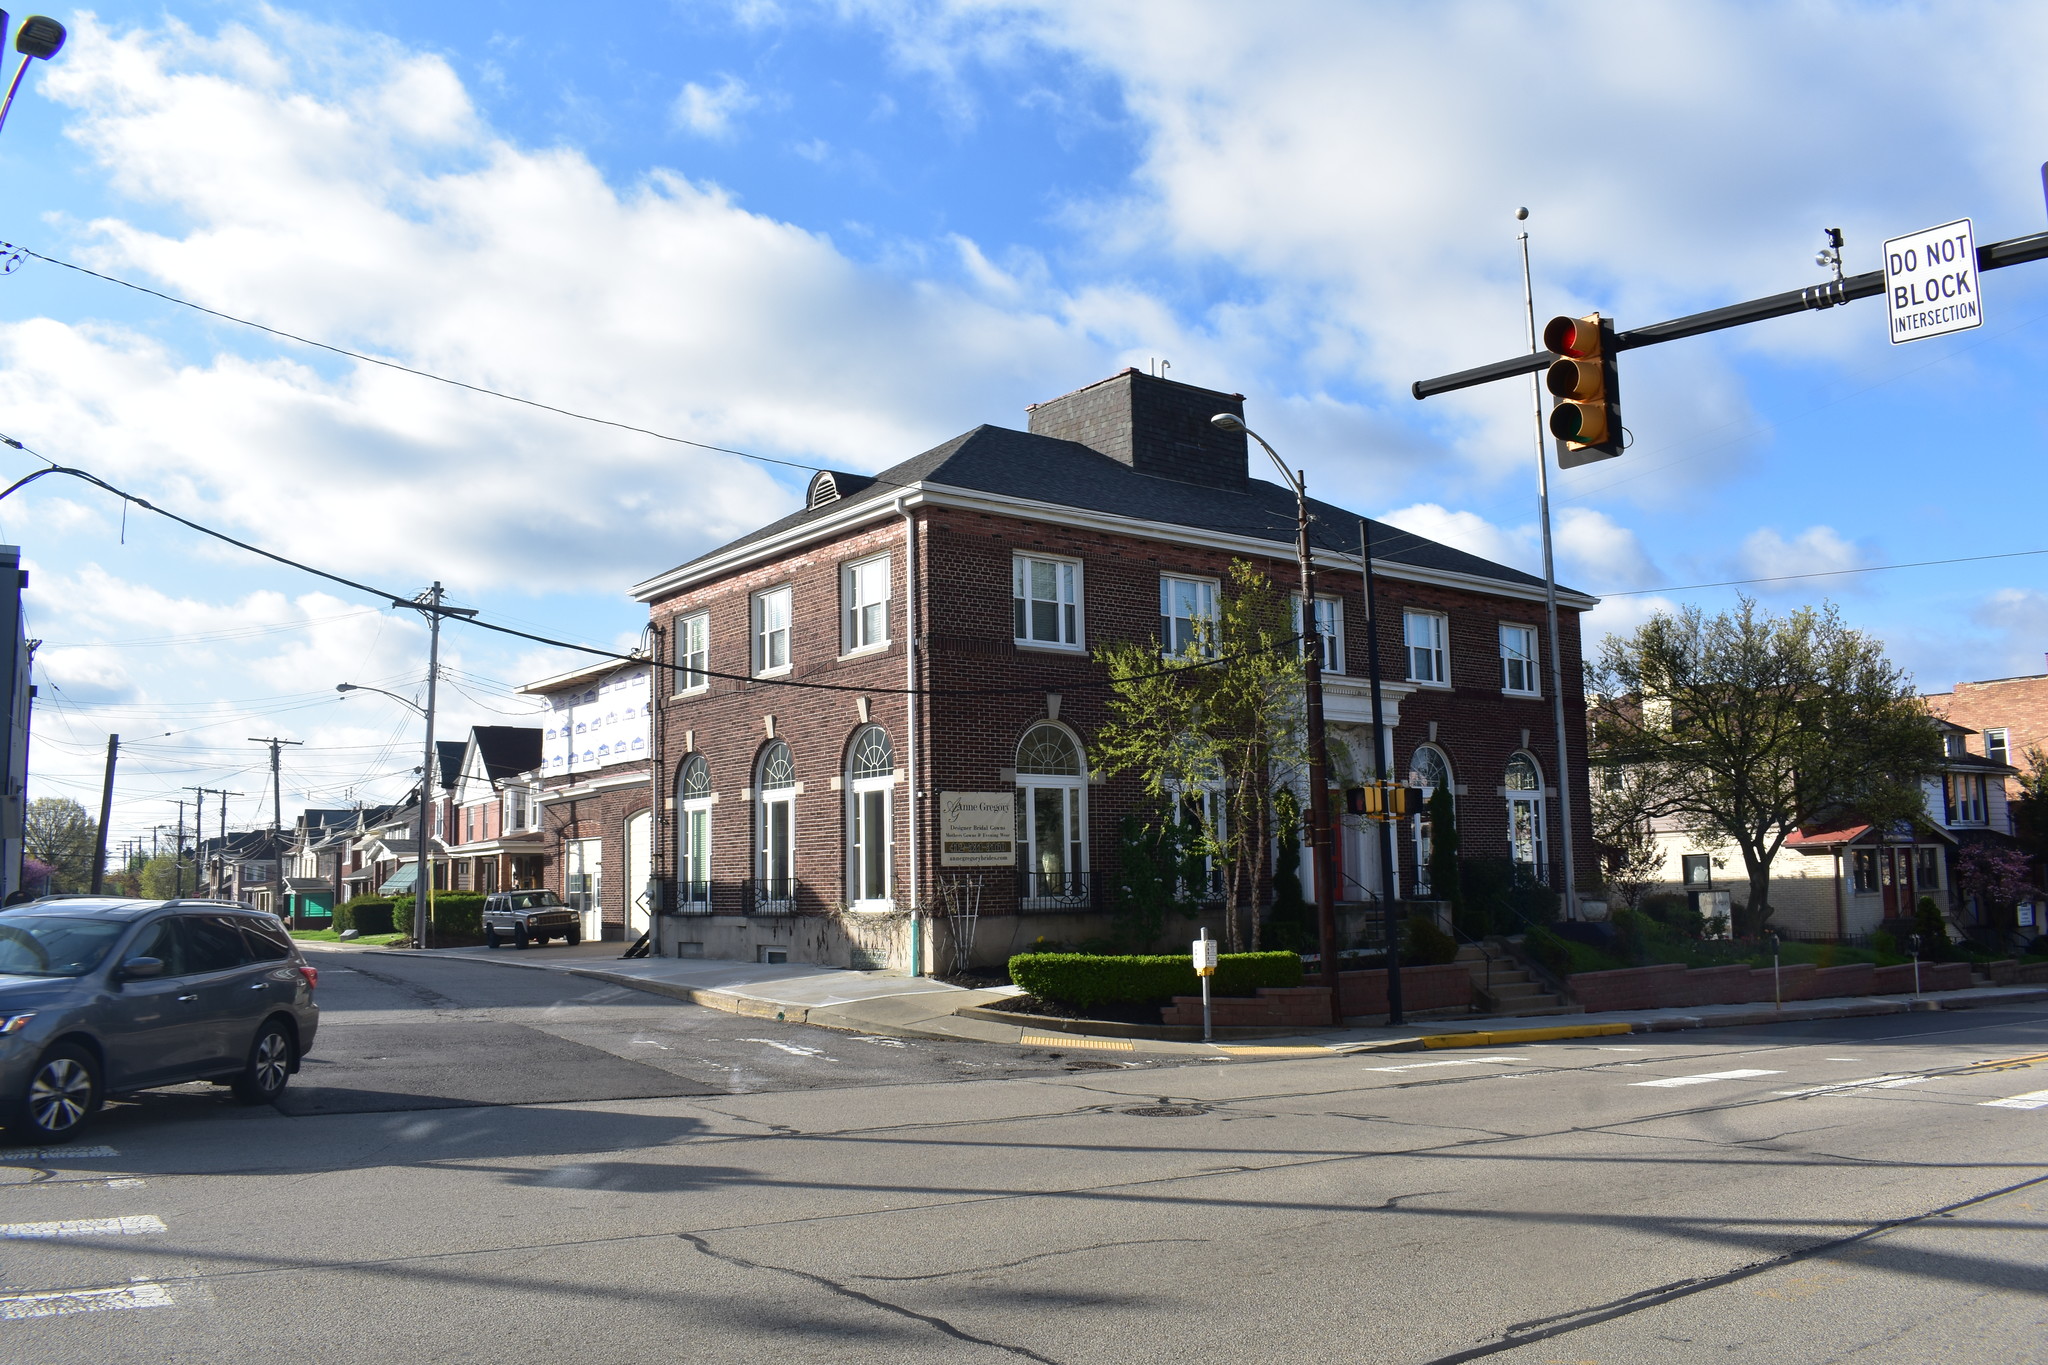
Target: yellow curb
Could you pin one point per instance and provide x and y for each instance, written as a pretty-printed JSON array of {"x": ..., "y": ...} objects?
[
  {"x": 1071, "y": 1040},
  {"x": 1276, "y": 1051},
  {"x": 1522, "y": 1035}
]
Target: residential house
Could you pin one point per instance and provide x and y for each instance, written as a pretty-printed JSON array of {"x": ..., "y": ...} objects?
[
  {"x": 314, "y": 862},
  {"x": 2007, "y": 717},
  {"x": 851, "y": 693},
  {"x": 591, "y": 788},
  {"x": 493, "y": 825}
]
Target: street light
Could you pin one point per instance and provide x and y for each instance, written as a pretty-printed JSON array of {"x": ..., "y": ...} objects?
[
  {"x": 1318, "y": 750},
  {"x": 402, "y": 701},
  {"x": 39, "y": 39}
]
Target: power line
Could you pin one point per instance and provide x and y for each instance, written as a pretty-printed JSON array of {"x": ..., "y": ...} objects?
[{"x": 1827, "y": 573}]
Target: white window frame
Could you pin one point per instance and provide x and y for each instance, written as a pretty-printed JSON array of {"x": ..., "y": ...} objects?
[
  {"x": 1066, "y": 602},
  {"x": 765, "y": 632},
  {"x": 863, "y": 619},
  {"x": 1206, "y": 589},
  {"x": 693, "y": 652},
  {"x": 1532, "y": 663},
  {"x": 766, "y": 798},
  {"x": 1070, "y": 792},
  {"x": 1539, "y": 842},
  {"x": 1329, "y": 625},
  {"x": 1437, "y": 646},
  {"x": 870, "y": 824},
  {"x": 693, "y": 841},
  {"x": 2004, "y": 754},
  {"x": 1424, "y": 836}
]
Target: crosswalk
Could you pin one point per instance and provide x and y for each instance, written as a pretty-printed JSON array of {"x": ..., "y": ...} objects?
[{"x": 139, "y": 1291}]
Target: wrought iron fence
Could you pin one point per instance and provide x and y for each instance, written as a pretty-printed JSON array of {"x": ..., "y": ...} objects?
[
  {"x": 771, "y": 896},
  {"x": 1056, "y": 890},
  {"x": 691, "y": 898}
]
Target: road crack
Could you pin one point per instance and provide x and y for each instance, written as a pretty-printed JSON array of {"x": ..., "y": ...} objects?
[
  {"x": 1044, "y": 1255},
  {"x": 847, "y": 1292}
]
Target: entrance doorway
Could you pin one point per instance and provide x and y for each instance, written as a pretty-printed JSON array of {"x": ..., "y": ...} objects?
[{"x": 639, "y": 863}]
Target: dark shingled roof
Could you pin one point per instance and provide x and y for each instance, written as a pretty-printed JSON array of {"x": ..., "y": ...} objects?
[
  {"x": 1018, "y": 464},
  {"x": 507, "y": 750}
]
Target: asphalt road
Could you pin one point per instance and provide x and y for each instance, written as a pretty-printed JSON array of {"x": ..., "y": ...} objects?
[{"x": 1869, "y": 1190}]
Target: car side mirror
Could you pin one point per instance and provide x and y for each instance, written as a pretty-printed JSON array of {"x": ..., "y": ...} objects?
[{"x": 141, "y": 968}]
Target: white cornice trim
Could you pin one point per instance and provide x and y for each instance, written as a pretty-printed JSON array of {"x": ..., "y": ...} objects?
[
  {"x": 555, "y": 795},
  {"x": 944, "y": 495}
]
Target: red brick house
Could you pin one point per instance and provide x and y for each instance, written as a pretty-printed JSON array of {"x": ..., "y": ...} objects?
[
  {"x": 491, "y": 825},
  {"x": 820, "y": 776}
]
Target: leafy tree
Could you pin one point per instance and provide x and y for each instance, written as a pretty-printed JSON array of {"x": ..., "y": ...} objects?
[
  {"x": 1222, "y": 718},
  {"x": 1624, "y": 834},
  {"x": 1746, "y": 725},
  {"x": 157, "y": 878},
  {"x": 2000, "y": 878},
  {"x": 1289, "y": 925},
  {"x": 57, "y": 831},
  {"x": 1157, "y": 872},
  {"x": 2030, "y": 804}
]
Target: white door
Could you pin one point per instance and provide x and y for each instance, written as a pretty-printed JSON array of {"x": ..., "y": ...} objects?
[
  {"x": 585, "y": 877},
  {"x": 639, "y": 863}
]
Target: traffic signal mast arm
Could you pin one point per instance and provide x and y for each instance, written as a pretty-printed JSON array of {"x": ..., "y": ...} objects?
[{"x": 1993, "y": 256}]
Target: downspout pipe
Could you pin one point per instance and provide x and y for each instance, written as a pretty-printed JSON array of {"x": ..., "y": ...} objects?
[{"x": 910, "y": 698}]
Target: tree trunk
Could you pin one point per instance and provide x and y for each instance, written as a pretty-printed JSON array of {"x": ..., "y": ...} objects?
[{"x": 1759, "y": 871}]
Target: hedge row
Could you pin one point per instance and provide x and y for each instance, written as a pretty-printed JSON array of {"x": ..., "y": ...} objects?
[
  {"x": 457, "y": 914},
  {"x": 365, "y": 915},
  {"x": 1080, "y": 979}
]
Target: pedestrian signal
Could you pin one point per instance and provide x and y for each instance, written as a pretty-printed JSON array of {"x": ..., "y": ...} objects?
[
  {"x": 1587, "y": 418},
  {"x": 1382, "y": 802}
]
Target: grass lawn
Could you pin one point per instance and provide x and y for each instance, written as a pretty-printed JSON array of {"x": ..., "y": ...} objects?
[{"x": 332, "y": 936}]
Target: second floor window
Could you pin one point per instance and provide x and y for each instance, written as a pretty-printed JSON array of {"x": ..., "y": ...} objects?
[
  {"x": 1187, "y": 614},
  {"x": 771, "y": 631},
  {"x": 864, "y": 587},
  {"x": 1518, "y": 660},
  {"x": 1045, "y": 601},
  {"x": 1329, "y": 631},
  {"x": 693, "y": 651},
  {"x": 1996, "y": 747},
  {"x": 1424, "y": 633},
  {"x": 1965, "y": 799}
]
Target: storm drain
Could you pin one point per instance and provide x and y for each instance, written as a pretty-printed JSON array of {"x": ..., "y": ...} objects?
[{"x": 1164, "y": 1110}]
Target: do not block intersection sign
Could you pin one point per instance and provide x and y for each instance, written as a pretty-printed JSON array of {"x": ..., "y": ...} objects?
[{"x": 1930, "y": 283}]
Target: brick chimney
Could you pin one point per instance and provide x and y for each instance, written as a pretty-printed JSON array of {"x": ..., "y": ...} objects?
[{"x": 1156, "y": 426}]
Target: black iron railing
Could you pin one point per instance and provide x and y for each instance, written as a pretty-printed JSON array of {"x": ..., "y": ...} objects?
[
  {"x": 1055, "y": 890},
  {"x": 771, "y": 896},
  {"x": 691, "y": 898}
]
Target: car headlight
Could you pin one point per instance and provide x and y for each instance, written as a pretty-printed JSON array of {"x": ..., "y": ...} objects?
[{"x": 11, "y": 1023}]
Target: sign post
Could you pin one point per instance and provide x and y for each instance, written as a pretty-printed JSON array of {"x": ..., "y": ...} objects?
[
  {"x": 1930, "y": 283},
  {"x": 1205, "y": 967}
]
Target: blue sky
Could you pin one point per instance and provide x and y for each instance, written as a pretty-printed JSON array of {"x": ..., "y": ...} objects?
[{"x": 839, "y": 233}]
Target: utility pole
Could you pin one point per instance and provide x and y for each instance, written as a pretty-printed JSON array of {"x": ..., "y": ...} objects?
[
  {"x": 429, "y": 605},
  {"x": 178, "y": 855},
  {"x": 99, "y": 851},
  {"x": 277, "y": 893},
  {"x": 1384, "y": 816}
]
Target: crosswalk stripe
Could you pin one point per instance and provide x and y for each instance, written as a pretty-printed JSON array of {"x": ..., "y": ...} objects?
[
  {"x": 1670, "y": 1082},
  {"x": 83, "y": 1227},
  {"x": 141, "y": 1295},
  {"x": 1891, "y": 1082},
  {"x": 2033, "y": 1099}
]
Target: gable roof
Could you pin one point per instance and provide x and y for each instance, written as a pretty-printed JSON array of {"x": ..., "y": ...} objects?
[
  {"x": 1042, "y": 469},
  {"x": 449, "y": 752},
  {"x": 506, "y": 750}
]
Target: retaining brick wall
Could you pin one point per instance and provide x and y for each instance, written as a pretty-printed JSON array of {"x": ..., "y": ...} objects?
[
  {"x": 1362, "y": 993},
  {"x": 1671, "y": 986}
]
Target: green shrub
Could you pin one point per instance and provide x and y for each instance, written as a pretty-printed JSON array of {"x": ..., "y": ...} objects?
[
  {"x": 1932, "y": 926},
  {"x": 1425, "y": 945},
  {"x": 1674, "y": 910},
  {"x": 365, "y": 915},
  {"x": 1080, "y": 980},
  {"x": 456, "y": 914},
  {"x": 1290, "y": 927}
]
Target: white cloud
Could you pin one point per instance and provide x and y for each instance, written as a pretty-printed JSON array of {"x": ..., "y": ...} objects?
[
  {"x": 708, "y": 111},
  {"x": 1593, "y": 552},
  {"x": 1766, "y": 553}
]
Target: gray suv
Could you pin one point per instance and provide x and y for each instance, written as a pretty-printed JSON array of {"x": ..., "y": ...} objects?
[{"x": 102, "y": 996}]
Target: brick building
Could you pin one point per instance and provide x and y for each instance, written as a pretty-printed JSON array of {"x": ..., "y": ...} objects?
[
  {"x": 2009, "y": 716},
  {"x": 811, "y": 761}
]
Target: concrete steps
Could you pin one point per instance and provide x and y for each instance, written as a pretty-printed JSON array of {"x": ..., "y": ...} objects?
[{"x": 1512, "y": 990}]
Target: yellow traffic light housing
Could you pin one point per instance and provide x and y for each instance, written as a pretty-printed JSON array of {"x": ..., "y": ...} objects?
[{"x": 1587, "y": 418}]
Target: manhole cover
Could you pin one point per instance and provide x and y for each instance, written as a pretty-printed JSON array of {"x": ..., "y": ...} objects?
[{"x": 1167, "y": 1111}]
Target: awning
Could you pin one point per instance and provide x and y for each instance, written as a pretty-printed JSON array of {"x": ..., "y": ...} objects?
[
  {"x": 307, "y": 886},
  {"x": 400, "y": 880}
]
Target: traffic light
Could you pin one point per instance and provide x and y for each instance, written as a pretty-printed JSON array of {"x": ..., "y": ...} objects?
[{"x": 1587, "y": 418}]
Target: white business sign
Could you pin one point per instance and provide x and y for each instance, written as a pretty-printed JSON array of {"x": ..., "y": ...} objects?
[
  {"x": 977, "y": 829},
  {"x": 1930, "y": 282}
]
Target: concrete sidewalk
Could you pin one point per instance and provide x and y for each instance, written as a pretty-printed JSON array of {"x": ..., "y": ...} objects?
[{"x": 883, "y": 1003}]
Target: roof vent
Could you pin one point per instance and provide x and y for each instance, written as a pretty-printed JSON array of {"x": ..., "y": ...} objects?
[{"x": 824, "y": 489}]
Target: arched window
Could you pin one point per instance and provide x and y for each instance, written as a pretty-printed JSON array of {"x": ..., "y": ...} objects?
[
  {"x": 870, "y": 797},
  {"x": 1523, "y": 787},
  {"x": 693, "y": 836},
  {"x": 1430, "y": 772},
  {"x": 1052, "y": 817},
  {"x": 775, "y": 855}
]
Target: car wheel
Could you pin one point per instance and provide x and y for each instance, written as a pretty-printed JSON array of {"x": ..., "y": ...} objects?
[
  {"x": 518, "y": 936},
  {"x": 62, "y": 1090},
  {"x": 573, "y": 937},
  {"x": 490, "y": 938},
  {"x": 269, "y": 1066}
]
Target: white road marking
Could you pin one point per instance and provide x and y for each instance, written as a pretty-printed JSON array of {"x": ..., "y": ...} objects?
[
  {"x": 880, "y": 1041},
  {"x": 1671, "y": 1082},
  {"x": 84, "y": 1227},
  {"x": 17, "y": 1155},
  {"x": 142, "y": 1295},
  {"x": 126, "y": 1183},
  {"x": 2033, "y": 1099},
  {"x": 1622, "y": 1049},
  {"x": 793, "y": 1049},
  {"x": 1841, "y": 1059},
  {"x": 1891, "y": 1082},
  {"x": 1458, "y": 1061}
]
